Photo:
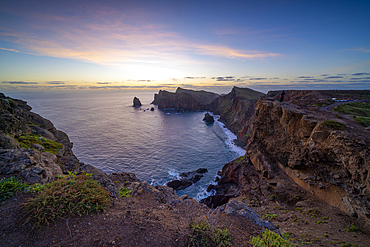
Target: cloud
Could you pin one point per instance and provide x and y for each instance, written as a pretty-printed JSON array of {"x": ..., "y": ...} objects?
[
  {"x": 6, "y": 49},
  {"x": 19, "y": 82},
  {"x": 257, "y": 78},
  {"x": 192, "y": 77},
  {"x": 324, "y": 75},
  {"x": 303, "y": 77},
  {"x": 103, "y": 83},
  {"x": 55, "y": 82},
  {"x": 341, "y": 74},
  {"x": 361, "y": 78},
  {"x": 104, "y": 35},
  {"x": 333, "y": 77},
  {"x": 361, "y": 74},
  {"x": 226, "y": 78}
]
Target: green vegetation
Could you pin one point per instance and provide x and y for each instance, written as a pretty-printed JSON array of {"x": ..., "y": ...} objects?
[
  {"x": 360, "y": 110},
  {"x": 334, "y": 124},
  {"x": 9, "y": 186},
  {"x": 351, "y": 228},
  {"x": 35, "y": 188},
  {"x": 269, "y": 216},
  {"x": 225, "y": 106},
  {"x": 31, "y": 124},
  {"x": 312, "y": 212},
  {"x": 50, "y": 146},
  {"x": 365, "y": 121},
  {"x": 240, "y": 160},
  {"x": 272, "y": 196},
  {"x": 68, "y": 195},
  {"x": 320, "y": 222},
  {"x": 11, "y": 102},
  {"x": 269, "y": 239},
  {"x": 203, "y": 234},
  {"x": 124, "y": 192}
]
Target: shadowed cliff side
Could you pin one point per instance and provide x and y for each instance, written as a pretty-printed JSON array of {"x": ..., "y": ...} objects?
[
  {"x": 289, "y": 146},
  {"x": 235, "y": 108}
]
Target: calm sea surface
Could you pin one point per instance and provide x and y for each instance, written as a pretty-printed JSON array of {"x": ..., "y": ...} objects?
[{"x": 111, "y": 135}]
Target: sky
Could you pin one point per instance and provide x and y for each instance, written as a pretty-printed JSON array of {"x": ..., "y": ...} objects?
[{"x": 209, "y": 45}]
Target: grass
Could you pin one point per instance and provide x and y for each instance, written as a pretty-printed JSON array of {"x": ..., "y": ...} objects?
[
  {"x": 334, "y": 124},
  {"x": 9, "y": 186},
  {"x": 203, "y": 234},
  {"x": 124, "y": 192},
  {"x": 269, "y": 239},
  {"x": 360, "y": 110},
  {"x": 269, "y": 216},
  {"x": 50, "y": 146},
  {"x": 68, "y": 195},
  {"x": 351, "y": 228}
]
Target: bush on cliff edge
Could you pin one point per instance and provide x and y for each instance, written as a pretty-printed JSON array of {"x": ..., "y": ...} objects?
[{"x": 68, "y": 195}]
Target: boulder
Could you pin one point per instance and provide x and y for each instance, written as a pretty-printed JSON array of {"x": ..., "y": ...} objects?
[
  {"x": 137, "y": 102},
  {"x": 8, "y": 142},
  {"x": 32, "y": 165},
  {"x": 187, "y": 179},
  {"x": 238, "y": 208},
  {"x": 208, "y": 118},
  {"x": 100, "y": 177}
]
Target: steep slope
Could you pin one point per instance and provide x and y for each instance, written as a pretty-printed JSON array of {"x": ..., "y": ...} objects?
[{"x": 326, "y": 156}]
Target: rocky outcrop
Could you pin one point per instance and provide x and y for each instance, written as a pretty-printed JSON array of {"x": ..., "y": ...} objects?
[
  {"x": 236, "y": 110},
  {"x": 208, "y": 118},
  {"x": 136, "y": 102},
  {"x": 187, "y": 179},
  {"x": 184, "y": 99},
  {"x": 34, "y": 165},
  {"x": 290, "y": 146},
  {"x": 237, "y": 208}
]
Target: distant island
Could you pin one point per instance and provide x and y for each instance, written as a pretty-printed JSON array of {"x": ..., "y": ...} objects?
[{"x": 305, "y": 172}]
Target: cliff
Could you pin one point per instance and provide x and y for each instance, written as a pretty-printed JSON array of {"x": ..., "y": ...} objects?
[
  {"x": 291, "y": 148},
  {"x": 234, "y": 108},
  {"x": 184, "y": 99}
]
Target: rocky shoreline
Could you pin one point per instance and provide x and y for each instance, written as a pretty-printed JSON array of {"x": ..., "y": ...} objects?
[{"x": 293, "y": 161}]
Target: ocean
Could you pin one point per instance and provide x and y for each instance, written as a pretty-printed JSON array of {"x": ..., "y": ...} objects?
[{"x": 110, "y": 134}]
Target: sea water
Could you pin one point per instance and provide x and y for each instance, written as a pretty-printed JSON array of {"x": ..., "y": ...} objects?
[{"x": 110, "y": 134}]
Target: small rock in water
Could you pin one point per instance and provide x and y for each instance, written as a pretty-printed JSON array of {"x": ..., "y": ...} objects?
[
  {"x": 208, "y": 118},
  {"x": 136, "y": 102}
]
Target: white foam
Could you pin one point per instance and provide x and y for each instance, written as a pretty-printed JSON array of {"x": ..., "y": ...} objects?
[{"x": 230, "y": 137}]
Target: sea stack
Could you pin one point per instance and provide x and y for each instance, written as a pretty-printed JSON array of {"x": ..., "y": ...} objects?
[
  {"x": 208, "y": 118},
  {"x": 137, "y": 102}
]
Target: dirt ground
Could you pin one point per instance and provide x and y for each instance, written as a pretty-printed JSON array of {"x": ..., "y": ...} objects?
[{"x": 135, "y": 221}]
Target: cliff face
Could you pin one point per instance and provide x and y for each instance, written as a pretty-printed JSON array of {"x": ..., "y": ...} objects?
[
  {"x": 184, "y": 99},
  {"x": 236, "y": 109},
  {"x": 288, "y": 143},
  {"x": 34, "y": 165}
]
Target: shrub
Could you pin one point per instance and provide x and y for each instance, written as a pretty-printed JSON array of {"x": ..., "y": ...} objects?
[
  {"x": 50, "y": 146},
  {"x": 203, "y": 234},
  {"x": 9, "y": 186},
  {"x": 334, "y": 124},
  {"x": 124, "y": 192},
  {"x": 68, "y": 195},
  {"x": 269, "y": 239},
  {"x": 351, "y": 228}
]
